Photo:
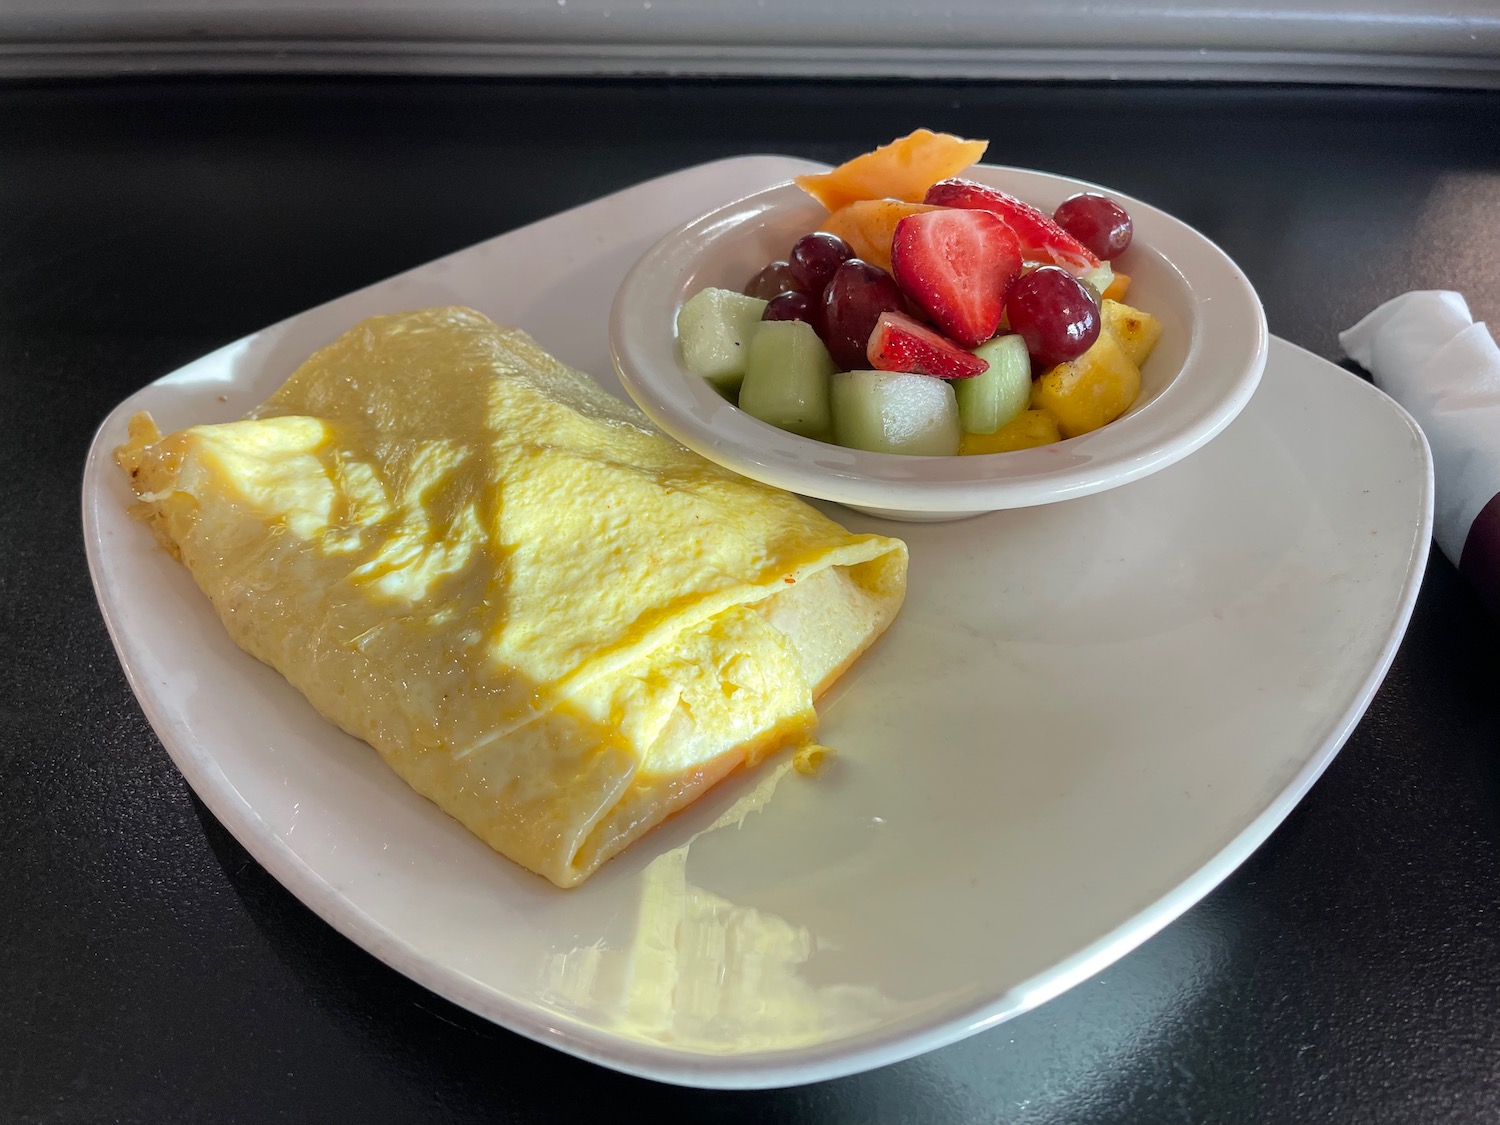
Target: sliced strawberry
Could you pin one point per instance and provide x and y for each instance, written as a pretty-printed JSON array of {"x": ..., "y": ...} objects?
[
  {"x": 957, "y": 265},
  {"x": 899, "y": 343},
  {"x": 1042, "y": 240}
]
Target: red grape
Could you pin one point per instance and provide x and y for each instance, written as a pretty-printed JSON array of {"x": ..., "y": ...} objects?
[
  {"x": 1097, "y": 221},
  {"x": 856, "y": 296},
  {"x": 792, "y": 306},
  {"x": 815, "y": 256},
  {"x": 774, "y": 280},
  {"x": 1054, "y": 313}
]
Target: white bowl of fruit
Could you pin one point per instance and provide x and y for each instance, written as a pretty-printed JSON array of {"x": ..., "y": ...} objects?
[{"x": 925, "y": 345}]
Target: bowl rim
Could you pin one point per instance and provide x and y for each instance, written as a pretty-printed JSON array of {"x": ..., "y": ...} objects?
[{"x": 1224, "y": 360}]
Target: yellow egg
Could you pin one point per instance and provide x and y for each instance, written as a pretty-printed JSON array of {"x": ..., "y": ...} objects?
[{"x": 549, "y": 619}]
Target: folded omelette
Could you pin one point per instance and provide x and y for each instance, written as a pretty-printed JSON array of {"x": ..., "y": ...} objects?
[{"x": 549, "y": 619}]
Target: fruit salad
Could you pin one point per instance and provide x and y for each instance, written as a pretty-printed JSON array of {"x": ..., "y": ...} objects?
[{"x": 930, "y": 314}]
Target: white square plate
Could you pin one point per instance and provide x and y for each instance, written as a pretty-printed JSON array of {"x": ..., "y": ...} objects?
[{"x": 1086, "y": 716}]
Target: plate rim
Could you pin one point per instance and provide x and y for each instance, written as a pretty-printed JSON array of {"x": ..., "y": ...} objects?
[{"x": 885, "y": 1044}]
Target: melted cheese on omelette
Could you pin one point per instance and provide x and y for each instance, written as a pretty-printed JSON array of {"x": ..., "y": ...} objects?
[{"x": 549, "y": 619}]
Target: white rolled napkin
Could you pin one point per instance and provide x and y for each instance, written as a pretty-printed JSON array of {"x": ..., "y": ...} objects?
[{"x": 1425, "y": 351}]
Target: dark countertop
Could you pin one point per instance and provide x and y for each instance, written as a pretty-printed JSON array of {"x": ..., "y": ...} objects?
[{"x": 151, "y": 971}]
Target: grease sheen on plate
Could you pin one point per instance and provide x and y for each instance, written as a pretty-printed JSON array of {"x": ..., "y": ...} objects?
[{"x": 1085, "y": 716}]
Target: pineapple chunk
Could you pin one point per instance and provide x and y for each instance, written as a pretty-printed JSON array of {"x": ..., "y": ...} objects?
[
  {"x": 1027, "y": 429},
  {"x": 1090, "y": 391},
  {"x": 1135, "y": 331}
]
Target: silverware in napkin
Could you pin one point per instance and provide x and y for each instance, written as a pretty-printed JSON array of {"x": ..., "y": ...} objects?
[{"x": 1425, "y": 351}]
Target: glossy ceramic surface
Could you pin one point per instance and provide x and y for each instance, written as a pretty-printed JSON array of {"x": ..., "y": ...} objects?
[
  {"x": 1200, "y": 375},
  {"x": 1087, "y": 714}
]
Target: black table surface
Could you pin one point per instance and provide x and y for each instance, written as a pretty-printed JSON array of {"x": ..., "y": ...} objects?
[{"x": 151, "y": 971}]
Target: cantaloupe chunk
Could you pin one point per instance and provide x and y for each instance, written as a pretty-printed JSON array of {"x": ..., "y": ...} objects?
[
  {"x": 1116, "y": 287},
  {"x": 1026, "y": 430},
  {"x": 1136, "y": 331},
  {"x": 903, "y": 169},
  {"x": 869, "y": 226},
  {"x": 1090, "y": 391}
]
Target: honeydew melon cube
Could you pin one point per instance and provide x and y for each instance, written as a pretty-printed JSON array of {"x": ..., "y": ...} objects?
[
  {"x": 1100, "y": 278},
  {"x": 992, "y": 398},
  {"x": 893, "y": 412},
  {"x": 786, "y": 378},
  {"x": 714, "y": 329}
]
